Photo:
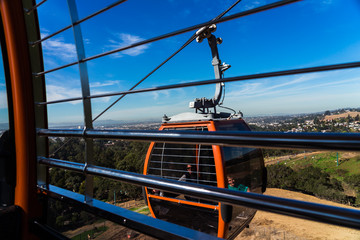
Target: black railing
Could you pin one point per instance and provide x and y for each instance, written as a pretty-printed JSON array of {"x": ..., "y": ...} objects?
[
  {"x": 312, "y": 211},
  {"x": 319, "y": 141}
]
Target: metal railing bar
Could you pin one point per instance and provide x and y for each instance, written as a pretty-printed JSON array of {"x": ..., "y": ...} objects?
[
  {"x": 185, "y": 149},
  {"x": 212, "y": 81},
  {"x": 322, "y": 141},
  {"x": 77, "y": 22},
  {"x": 184, "y": 164},
  {"x": 181, "y": 31},
  {"x": 44, "y": 231},
  {"x": 28, "y": 11},
  {"x": 182, "y": 149},
  {"x": 312, "y": 211},
  {"x": 180, "y": 156},
  {"x": 136, "y": 221},
  {"x": 198, "y": 180},
  {"x": 177, "y": 170},
  {"x": 195, "y": 180}
]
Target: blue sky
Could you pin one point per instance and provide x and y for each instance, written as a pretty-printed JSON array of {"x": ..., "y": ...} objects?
[{"x": 303, "y": 34}]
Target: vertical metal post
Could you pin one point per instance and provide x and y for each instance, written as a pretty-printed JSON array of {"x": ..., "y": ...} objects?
[
  {"x": 85, "y": 93},
  {"x": 337, "y": 159},
  {"x": 19, "y": 67},
  {"x": 39, "y": 91}
]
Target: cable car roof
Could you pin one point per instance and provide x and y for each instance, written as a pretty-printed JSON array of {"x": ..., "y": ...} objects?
[{"x": 190, "y": 116}]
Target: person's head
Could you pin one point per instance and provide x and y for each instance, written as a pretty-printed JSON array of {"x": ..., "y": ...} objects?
[
  {"x": 231, "y": 181},
  {"x": 189, "y": 168}
]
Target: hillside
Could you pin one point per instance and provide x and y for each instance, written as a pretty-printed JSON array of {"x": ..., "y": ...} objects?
[
  {"x": 264, "y": 225},
  {"x": 274, "y": 226},
  {"x": 342, "y": 115}
]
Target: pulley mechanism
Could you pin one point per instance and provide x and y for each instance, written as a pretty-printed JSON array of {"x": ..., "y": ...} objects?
[{"x": 204, "y": 104}]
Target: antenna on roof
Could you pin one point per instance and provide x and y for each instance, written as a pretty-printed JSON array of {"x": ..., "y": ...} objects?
[{"x": 203, "y": 104}]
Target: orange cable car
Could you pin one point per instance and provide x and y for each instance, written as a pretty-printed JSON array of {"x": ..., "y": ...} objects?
[{"x": 237, "y": 168}]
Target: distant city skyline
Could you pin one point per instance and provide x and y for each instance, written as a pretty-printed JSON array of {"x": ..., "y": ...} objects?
[{"x": 298, "y": 35}]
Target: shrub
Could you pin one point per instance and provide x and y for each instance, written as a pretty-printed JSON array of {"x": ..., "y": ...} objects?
[
  {"x": 280, "y": 176},
  {"x": 310, "y": 180},
  {"x": 353, "y": 180}
]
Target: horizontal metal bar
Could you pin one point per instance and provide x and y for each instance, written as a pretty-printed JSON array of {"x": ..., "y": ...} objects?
[
  {"x": 77, "y": 22},
  {"x": 321, "y": 141},
  {"x": 212, "y": 81},
  {"x": 184, "y": 163},
  {"x": 180, "y": 156},
  {"x": 182, "y": 148},
  {"x": 136, "y": 221},
  {"x": 171, "y": 34},
  {"x": 200, "y": 181},
  {"x": 44, "y": 231},
  {"x": 176, "y": 170},
  {"x": 318, "y": 212},
  {"x": 197, "y": 180}
]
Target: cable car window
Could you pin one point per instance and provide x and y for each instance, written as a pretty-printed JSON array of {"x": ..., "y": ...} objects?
[
  {"x": 183, "y": 162},
  {"x": 244, "y": 166},
  {"x": 245, "y": 172}
]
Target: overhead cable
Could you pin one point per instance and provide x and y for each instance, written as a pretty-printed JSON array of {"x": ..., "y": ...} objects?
[
  {"x": 192, "y": 38},
  {"x": 171, "y": 34}
]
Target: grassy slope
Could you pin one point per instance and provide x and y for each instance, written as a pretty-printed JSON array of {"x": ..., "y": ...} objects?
[{"x": 349, "y": 163}]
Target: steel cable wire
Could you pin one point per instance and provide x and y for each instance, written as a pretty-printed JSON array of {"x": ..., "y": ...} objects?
[
  {"x": 77, "y": 22},
  {"x": 171, "y": 34},
  {"x": 155, "y": 69},
  {"x": 212, "y": 81},
  {"x": 166, "y": 60}
]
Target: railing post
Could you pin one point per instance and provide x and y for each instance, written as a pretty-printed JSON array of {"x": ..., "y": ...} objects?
[
  {"x": 85, "y": 88},
  {"x": 24, "y": 118}
]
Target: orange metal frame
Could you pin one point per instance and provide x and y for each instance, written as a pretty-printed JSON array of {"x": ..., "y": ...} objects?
[
  {"x": 219, "y": 166},
  {"x": 24, "y": 117},
  {"x": 176, "y": 200}
]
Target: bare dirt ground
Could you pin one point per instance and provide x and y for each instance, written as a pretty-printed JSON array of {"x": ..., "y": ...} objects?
[{"x": 273, "y": 226}]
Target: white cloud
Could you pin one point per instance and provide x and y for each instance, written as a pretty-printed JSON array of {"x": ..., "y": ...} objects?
[
  {"x": 253, "y": 4},
  {"x": 58, "y": 48},
  {"x": 104, "y": 84},
  {"x": 149, "y": 111},
  {"x": 101, "y": 99},
  {"x": 163, "y": 94},
  {"x": 54, "y": 92},
  {"x": 123, "y": 40},
  {"x": 256, "y": 89}
]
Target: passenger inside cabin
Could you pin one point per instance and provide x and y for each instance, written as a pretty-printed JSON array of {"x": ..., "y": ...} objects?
[
  {"x": 189, "y": 176},
  {"x": 240, "y": 187}
]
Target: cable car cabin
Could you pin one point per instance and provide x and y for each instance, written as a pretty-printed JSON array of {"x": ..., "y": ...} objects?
[{"x": 237, "y": 168}]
